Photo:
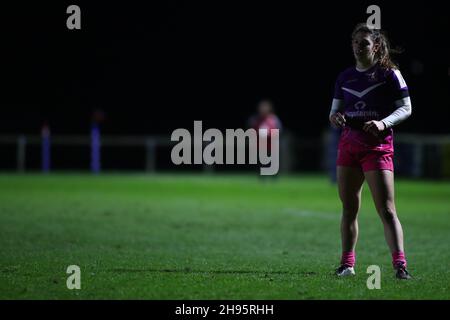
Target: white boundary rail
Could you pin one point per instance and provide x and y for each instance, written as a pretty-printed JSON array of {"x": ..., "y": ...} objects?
[
  {"x": 150, "y": 143},
  {"x": 418, "y": 142}
]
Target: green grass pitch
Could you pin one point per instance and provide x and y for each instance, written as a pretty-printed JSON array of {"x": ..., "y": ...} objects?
[{"x": 209, "y": 237}]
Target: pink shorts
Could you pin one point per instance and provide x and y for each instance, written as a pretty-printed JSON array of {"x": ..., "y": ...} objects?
[{"x": 355, "y": 155}]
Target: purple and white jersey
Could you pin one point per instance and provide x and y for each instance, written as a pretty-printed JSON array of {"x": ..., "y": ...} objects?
[{"x": 369, "y": 94}]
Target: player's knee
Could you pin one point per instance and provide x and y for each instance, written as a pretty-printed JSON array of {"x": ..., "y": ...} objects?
[
  {"x": 350, "y": 210},
  {"x": 387, "y": 214},
  {"x": 350, "y": 202}
]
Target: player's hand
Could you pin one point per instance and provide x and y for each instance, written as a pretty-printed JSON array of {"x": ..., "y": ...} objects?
[
  {"x": 374, "y": 127},
  {"x": 337, "y": 120}
]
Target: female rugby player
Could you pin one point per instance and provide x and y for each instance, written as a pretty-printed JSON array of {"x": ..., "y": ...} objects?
[{"x": 370, "y": 98}]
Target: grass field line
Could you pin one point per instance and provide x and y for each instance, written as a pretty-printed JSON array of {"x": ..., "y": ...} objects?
[{"x": 311, "y": 214}]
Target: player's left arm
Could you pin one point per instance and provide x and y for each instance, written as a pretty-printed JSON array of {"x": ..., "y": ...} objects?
[
  {"x": 402, "y": 112},
  {"x": 403, "y": 107}
]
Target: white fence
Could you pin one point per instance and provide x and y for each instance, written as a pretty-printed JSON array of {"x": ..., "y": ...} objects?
[
  {"x": 149, "y": 143},
  {"x": 416, "y": 155}
]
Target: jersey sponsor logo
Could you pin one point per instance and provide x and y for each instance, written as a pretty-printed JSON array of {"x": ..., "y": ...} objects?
[
  {"x": 362, "y": 114},
  {"x": 360, "y": 105},
  {"x": 364, "y": 92}
]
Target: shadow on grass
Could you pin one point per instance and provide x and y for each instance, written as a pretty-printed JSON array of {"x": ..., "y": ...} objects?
[{"x": 193, "y": 271}]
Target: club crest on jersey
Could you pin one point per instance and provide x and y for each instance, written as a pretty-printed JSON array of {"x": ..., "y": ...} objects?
[{"x": 372, "y": 77}]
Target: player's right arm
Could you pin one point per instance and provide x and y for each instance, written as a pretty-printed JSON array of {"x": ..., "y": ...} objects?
[
  {"x": 337, "y": 119},
  {"x": 336, "y": 116}
]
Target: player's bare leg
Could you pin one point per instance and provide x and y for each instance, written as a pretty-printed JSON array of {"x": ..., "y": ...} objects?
[
  {"x": 350, "y": 181},
  {"x": 381, "y": 184}
]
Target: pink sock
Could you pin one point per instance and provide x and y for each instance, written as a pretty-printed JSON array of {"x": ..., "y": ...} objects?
[
  {"x": 348, "y": 258},
  {"x": 398, "y": 258}
]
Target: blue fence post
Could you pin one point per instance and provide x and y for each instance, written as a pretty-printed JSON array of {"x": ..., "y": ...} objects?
[
  {"x": 45, "y": 148},
  {"x": 95, "y": 149}
]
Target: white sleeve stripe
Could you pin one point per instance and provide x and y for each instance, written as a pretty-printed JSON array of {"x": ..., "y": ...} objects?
[
  {"x": 336, "y": 105},
  {"x": 400, "y": 79}
]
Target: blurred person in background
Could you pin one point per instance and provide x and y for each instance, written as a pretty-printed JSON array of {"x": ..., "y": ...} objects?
[{"x": 265, "y": 118}]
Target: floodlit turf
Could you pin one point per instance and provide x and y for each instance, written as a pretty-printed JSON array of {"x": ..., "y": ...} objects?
[{"x": 209, "y": 237}]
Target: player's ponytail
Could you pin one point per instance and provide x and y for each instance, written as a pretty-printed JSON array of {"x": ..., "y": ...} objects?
[{"x": 383, "y": 55}]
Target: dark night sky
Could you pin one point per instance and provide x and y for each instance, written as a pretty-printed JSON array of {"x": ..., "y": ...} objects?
[{"x": 153, "y": 68}]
